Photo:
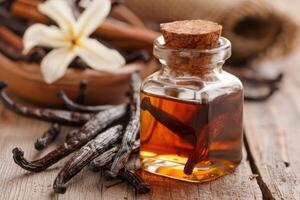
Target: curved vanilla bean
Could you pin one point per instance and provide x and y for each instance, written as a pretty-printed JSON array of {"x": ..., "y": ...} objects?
[
  {"x": 71, "y": 105},
  {"x": 36, "y": 55},
  {"x": 138, "y": 55},
  {"x": 132, "y": 129},
  {"x": 200, "y": 151},
  {"x": 219, "y": 116},
  {"x": 85, "y": 155},
  {"x": 218, "y": 107},
  {"x": 261, "y": 80},
  {"x": 169, "y": 121},
  {"x": 272, "y": 90},
  {"x": 248, "y": 75},
  {"x": 134, "y": 180},
  {"x": 48, "y": 137},
  {"x": 59, "y": 116},
  {"x": 83, "y": 135}
]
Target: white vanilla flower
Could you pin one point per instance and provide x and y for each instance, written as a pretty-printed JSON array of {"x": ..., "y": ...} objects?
[{"x": 71, "y": 39}]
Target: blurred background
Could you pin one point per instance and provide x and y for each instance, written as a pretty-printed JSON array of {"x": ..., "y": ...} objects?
[
  {"x": 257, "y": 29},
  {"x": 264, "y": 34}
]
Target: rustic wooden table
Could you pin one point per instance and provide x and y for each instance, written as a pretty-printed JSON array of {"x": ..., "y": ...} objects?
[{"x": 270, "y": 168}]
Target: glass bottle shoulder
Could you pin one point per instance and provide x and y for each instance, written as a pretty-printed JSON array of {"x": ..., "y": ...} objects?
[{"x": 192, "y": 89}]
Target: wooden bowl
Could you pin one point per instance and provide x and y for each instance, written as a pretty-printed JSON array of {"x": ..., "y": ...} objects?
[{"x": 25, "y": 80}]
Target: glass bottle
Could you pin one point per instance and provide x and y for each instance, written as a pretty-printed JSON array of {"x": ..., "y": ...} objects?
[{"x": 191, "y": 114}]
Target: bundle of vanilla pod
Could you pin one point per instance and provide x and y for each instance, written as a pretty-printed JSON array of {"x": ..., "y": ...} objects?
[
  {"x": 107, "y": 138},
  {"x": 99, "y": 35}
]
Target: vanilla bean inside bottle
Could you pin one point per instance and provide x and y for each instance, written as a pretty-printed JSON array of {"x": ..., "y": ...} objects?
[{"x": 191, "y": 110}]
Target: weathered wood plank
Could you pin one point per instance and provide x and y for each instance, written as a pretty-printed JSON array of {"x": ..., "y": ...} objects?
[
  {"x": 273, "y": 134},
  {"x": 18, "y": 184}
]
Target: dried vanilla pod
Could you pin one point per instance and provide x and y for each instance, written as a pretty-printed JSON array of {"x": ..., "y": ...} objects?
[
  {"x": 214, "y": 127},
  {"x": 138, "y": 55},
  {"x": 59, "y": 116},
  {"x": 99, "y": 134},
  {"x": 83, "y": 135},
  {"x": 271, "y": 89},
  {"x": 200, "y": 151},
  {"x": 71, "y": 134},
  {"x": 255, "y": 81},
  {"x": 134, "y": 162},
  {"x": 249, "y": 75},
  {"x": 130, "y": 177},
  {"x": 82, "y": 92},
  {"x": 169, "y": 121},
  {"x": 98, "y": 163},
  {"x": 134, "y": 180},
  {"x": 68, "y": 103},
  {"x": 85, "y": 155},
  {"x": 105, "y": 158},
  {"x": 132, "y": 129},
  {"x": 48, "y": 137}
]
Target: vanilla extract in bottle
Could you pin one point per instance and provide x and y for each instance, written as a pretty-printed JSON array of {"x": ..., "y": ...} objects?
[{"x": 191, "y": 110}]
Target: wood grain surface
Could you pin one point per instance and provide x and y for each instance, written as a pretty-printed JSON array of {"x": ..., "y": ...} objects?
[
  {"x": 271, "y": 151},
  {"x": 17, "y": 183},
  {"x": 272, "y": 134}
]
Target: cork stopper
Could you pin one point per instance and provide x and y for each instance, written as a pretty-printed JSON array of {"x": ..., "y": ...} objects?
[{"x": 191, "y": 34}]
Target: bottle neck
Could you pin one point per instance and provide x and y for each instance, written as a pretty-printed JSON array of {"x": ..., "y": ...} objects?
[
  {"x": 185, "y": 71},
  {"x": 191, "y": 62}
]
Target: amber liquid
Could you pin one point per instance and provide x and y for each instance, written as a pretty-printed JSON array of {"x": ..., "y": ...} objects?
[{"x": 174, "y": 132}]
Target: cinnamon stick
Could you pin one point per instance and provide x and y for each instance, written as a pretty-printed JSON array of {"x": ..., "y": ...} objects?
[
  {"x": 9, "y": 21},
  {"x": 123, "y": 13},
  {"x": 109, "y": 29},
  {"x": 28, "y": 11},
  {"x": 11, "y": 38}
]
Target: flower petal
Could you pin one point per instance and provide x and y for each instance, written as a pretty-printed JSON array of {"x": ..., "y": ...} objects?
[
  {"x": 99, "y": 57},
  {"x": 55, "y": 64},
  {"x": 42, "y": 35},
  {"x": 92, "y": 17},
  {"x": 59, "y": 11}
]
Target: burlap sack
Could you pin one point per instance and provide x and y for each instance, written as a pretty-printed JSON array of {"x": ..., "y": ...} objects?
[{"x": 255, "y": 28}]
